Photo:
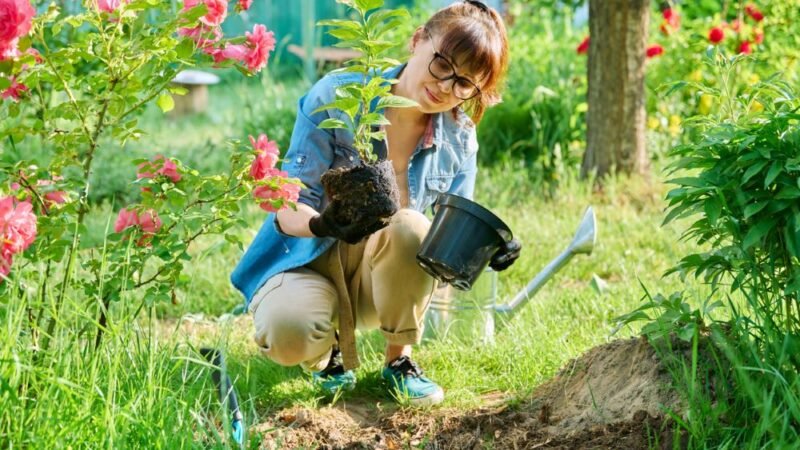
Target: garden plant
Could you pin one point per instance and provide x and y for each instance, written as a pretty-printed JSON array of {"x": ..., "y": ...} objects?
[{"x": 368, "y": 189}]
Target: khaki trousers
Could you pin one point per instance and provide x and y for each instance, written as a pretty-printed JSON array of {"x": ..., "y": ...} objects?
[{"x": 297, "y": 312}]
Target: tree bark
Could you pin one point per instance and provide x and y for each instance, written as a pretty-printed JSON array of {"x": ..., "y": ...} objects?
[{"x": 615, "y": 121}]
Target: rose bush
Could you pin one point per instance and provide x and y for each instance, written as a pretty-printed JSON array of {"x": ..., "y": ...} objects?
[{"x": 78, "y": 94}]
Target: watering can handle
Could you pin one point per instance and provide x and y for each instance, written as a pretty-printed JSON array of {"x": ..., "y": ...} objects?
[{"x": 582, "y": 243}]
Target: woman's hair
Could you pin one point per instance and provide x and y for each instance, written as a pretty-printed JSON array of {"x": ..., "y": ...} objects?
[{"x": 474, "y": 37}]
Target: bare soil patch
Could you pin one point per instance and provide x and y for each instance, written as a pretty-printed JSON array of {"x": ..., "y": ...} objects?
[{"x": 613, "y": 396}]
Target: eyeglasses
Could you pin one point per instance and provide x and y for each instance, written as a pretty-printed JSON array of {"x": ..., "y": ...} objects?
[{"x": 442, "y": 69}]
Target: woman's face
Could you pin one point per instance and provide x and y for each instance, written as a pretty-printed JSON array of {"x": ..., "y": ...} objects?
[{"x": 419, "y": 84}]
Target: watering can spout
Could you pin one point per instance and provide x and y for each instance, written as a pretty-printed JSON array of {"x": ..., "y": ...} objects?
[{"x": 582, "y": 243}]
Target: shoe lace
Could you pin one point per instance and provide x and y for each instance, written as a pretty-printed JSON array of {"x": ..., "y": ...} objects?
[{"x": 406, "y": 366}]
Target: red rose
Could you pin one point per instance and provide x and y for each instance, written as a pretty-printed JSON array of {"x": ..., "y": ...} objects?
[
  {"x": 654, "y": 50},
  {"x": 744, "y": 48},
  {"x": 716, "y": 35},
  {"x": 753, "y": 12},
  {"x": 583, "y": 47}
]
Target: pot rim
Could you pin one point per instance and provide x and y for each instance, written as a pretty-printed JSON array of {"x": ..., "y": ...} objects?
[{"x": 478, "y": 211}]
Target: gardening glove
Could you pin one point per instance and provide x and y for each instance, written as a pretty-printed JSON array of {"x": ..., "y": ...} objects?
[
  {"x": 324, "y": 225},
  {"x": 505, "y": 257}
]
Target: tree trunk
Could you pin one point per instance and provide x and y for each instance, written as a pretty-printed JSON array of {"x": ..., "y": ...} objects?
[{"x": 615, "y": 122}]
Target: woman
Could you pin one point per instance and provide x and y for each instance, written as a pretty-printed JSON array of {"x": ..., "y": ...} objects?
[{"x": 305, "y": 276}]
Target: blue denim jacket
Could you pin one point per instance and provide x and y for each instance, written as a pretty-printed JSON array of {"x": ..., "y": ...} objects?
[{"x": 447, "y": 165}]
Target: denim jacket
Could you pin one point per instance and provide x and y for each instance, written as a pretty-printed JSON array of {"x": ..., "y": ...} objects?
[{"x": 443, "y": 161}]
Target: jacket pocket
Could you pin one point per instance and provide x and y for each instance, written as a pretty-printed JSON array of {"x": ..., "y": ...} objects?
[{"x": 436, "y": 185}]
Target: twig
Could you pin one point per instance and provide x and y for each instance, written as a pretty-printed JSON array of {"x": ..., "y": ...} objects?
[{"x": 163, "y": 267}]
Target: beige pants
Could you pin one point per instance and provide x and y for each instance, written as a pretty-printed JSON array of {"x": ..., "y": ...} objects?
[{"x": 296, "y": 312}]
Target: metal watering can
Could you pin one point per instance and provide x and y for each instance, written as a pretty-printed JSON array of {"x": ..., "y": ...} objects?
[{"x": 473, "y": 314}]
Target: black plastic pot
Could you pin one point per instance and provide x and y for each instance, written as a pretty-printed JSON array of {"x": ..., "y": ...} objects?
[{"x": 461, "y": 241}]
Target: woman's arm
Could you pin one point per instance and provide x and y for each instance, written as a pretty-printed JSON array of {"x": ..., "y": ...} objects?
[{"x": 295, "y": 223}]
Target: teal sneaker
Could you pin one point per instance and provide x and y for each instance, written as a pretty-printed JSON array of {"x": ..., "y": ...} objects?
[
  {"x": 333, "y": 378},
  {"x": 407, "y": 382}
]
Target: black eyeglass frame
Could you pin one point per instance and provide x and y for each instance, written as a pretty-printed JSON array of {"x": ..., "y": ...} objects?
[{"x": 454, "y": 75}]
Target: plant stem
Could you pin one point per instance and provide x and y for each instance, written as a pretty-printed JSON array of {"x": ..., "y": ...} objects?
[
  {"x": 175, "y": 260},
  {"x": 83, "y": 208},
  {"x": 102, "y": 322}
]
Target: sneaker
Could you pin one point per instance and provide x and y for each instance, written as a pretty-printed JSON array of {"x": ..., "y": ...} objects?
[
  {"x": 333, "y": 378},
  {"x": 408, "y": 383}
]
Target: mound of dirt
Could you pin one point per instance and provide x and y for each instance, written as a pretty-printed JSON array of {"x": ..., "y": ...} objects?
[{"x": 613, "y": 396}]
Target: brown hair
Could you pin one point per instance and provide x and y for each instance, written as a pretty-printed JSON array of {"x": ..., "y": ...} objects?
[{"x": 474, "y": 37}]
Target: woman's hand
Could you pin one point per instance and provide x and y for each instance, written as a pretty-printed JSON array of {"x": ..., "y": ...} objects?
[
  {"x": 325, "y": 225},
  {"x": 506, "y": 256}
]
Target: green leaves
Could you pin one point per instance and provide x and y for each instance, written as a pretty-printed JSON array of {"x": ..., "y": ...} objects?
[
  {"x": 364, "y": 102},
  {"x": 367, "y": 5},
  {"x": 395, "y": 101},
  {"x": 742, "y": 176},
  {"x": 165, "y": 102}
]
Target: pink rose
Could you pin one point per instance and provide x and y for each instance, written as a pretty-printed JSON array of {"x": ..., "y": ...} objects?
[
  {"x": 108, "y": 6},
  {"x": 266, "y": 156},
  {"x": 203, "y": 35},
  {"x": 8, "y": 50},
  {"x": 237, "y": 52},
  {"x": 161, "y": 166},
  {"x": 244, "y": 5},
  {"x": 6, "y": 259},
  {"x": 56, "y": 197},
  {"x": 50, "y": 198},
  {"x": 15, "y": 91},
  {"x": 148, "y": 222},
  {"x": 125, "y": 219},
  {"x": 15, "y": 19},
  {"x": 286, "y": 192},
  {"x": 254, "y": 53},
  {"x": 53, "y": 197},
  {"x": 17, "y": 225},
  {"x": 260, "y": 43},
  {"x": 217, "y": 10}
]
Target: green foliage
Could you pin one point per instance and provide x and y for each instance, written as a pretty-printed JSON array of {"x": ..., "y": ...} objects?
[
  {"x": 737, "y": 187},
  {"x": 740, "y": 178},
  {"x": 686, "y": 48},
  {"x": 85, "y": 99},
  {"x": 363, "y": 102},
  {"x": 669, "y": 315}
]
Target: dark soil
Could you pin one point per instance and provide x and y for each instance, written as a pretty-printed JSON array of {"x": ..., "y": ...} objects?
[
  {"x": 362, "y": 192},
  {"x": 614, "y": 396}
]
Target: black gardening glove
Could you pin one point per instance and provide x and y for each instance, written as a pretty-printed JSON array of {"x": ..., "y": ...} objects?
[
  {"x": 505, "y": 257},
  {"x": 325, "y": 225}
]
